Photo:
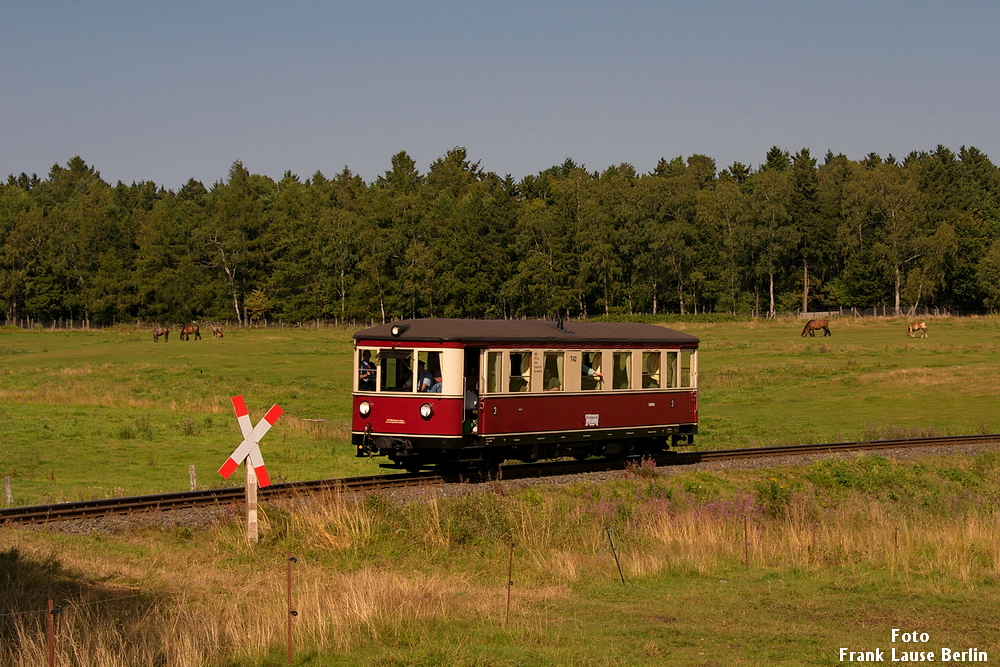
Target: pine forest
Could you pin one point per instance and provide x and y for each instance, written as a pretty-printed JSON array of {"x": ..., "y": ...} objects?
[{"x": 797, "y": 233}]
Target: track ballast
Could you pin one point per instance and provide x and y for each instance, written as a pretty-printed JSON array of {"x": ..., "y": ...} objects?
[{"x": 186, "y": 499}]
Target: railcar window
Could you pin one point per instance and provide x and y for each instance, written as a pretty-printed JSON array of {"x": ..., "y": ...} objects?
[
  {"x": 687, "y": 357},
  {"x": 520, "y": 371},
  {"x": 622, "y": 375},
  {"x": 671, "y": 370},
  {"x": 650, "y": 370},
  {"x": 429, "y": 372},
  {"x": 590, "y": 371},
  {"x": 494, "y": 372},
  {"x": 397, "y": 370},
  {"x": 552, "y": 375},
  {"x": 367, "y": 369}
]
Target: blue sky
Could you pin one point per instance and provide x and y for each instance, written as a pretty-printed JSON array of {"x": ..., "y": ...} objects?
[{"x": 166, "y": 91}]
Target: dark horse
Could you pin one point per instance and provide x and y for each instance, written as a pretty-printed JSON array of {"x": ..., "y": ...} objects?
[
  {"x": 162, "y": 331},
  {"x": 812, "y": 326},
  {"x": 190, "y": 329}
]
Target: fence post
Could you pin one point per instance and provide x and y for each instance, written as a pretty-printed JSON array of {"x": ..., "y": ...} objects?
[
  {"x": 7, "y": 490},
  {"x": 52, "y": 634},
  {"x": 746, "y": 544},
  {"x": 193, "y": 476},
  {"x": 510, "y": 582},
  {"x": 614, "y": 551},
  {"x": 289, "y": 558}
]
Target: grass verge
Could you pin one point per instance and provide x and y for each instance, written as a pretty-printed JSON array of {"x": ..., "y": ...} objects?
[{"x": 835, "y": 554}]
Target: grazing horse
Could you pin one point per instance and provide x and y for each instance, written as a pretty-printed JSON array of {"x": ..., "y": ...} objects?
[
  {"x": 216, "y": 331},
  {"x": 162, "y": 331},
  {"x": 812, "y": 326},
  {"x": 191, "y": 329},
  {"x": 914, "y": 327}
]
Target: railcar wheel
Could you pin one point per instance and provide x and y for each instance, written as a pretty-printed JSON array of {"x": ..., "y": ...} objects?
[
  {"x": 489, "y": 464},
  {"x": 413, "y": 467}
]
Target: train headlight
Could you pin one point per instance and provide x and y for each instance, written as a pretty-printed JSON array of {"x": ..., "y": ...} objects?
[
  {"x": 364, "y": 408},
  {"x": 426, "y": 410},
  {"x": 398, "y": 329}
]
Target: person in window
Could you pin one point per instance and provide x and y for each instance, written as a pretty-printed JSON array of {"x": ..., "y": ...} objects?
[
  {"x": 590, "y": 378},
  {"x": 366, "y": 372},
  {"x": 550, "y": 381},
  {"x": 424, "y": 377},
  {"x": 472, "y": 397},
  {"x": 436, "y": 387}
]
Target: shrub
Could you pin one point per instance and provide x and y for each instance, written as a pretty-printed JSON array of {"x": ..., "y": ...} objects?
[{"x": 773, "y": 497}]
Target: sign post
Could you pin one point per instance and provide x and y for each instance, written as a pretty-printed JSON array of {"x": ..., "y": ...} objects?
[
  {"x": 251, "y": 496},
  {"x": 248, "y": 451}
]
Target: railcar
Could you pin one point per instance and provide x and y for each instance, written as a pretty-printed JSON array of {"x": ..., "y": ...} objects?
[{"x": 473, "y": 393}]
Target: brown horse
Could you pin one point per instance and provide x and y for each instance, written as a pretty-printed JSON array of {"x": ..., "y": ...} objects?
[
  {"x": 191, "y": 329},
  {"x": 914, "y": 327},
  {"x": 216, "y": 331},
  {"x": 812, "y": 326},
  {"x": 162, "y": 331}
]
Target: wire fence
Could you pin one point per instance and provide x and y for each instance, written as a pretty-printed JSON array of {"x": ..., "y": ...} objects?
[{"x": 356, "y": 323}]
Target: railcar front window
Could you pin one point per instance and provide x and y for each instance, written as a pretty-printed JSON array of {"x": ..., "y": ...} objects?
[
  {"x": 552, "y": 375},
  {"x": 367, "y": 369},
  {"x": 396, "y": 370},
  {"x": 590, "y": 371},
  {"x": 650, "y": 370},
  {"x": 520, "y": 372},
  {"x": 622, "y": 377}
]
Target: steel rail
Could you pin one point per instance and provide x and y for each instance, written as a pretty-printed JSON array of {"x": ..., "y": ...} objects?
[{"x": 187, "y": 499}]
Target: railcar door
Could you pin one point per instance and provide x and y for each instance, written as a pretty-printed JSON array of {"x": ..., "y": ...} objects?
[{"x": 471, "y": 387}]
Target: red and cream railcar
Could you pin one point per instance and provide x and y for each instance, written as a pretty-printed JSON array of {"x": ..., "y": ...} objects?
[{"x": 478, "y": 392}]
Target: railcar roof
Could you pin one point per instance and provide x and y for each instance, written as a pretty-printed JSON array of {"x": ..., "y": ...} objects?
[{"x": 537, "y": 331}]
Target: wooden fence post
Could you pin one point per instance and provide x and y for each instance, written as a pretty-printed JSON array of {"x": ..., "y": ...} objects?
[
  {"x": 746, "y": 544},
  {"x": 52, "y": 635},
  {"x": 291, "y": 612},
  {"x": 510, "y": 582}
]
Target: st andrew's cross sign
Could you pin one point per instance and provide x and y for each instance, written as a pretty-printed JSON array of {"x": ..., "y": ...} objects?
[{"x": 249, "y": 448}]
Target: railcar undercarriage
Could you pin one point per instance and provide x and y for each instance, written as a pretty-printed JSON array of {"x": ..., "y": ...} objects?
[{"x": 485, "y": 453}]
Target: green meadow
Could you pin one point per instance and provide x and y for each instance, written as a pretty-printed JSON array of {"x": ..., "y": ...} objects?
[
  {"x": 91, "y": 414},
  {"x": 785, "y": 565}
]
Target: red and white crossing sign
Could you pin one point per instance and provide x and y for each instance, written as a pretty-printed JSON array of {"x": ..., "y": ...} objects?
[{"x": 251, "y": 438}]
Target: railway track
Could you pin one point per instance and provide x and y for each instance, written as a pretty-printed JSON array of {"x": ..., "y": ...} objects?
[{"x": 172, "y": 501}]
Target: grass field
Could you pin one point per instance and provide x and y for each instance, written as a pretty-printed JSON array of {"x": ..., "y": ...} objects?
[
  {"x": 836, "y": 553},
  {"x": 90, "y": 414}
]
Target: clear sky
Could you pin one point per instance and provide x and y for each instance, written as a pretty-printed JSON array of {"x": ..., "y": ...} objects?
[{"x": 166, "y": 91}]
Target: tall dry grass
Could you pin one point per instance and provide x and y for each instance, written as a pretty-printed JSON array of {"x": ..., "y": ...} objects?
[
  {"x": 858, "y": 533},
  {"x": 206, "y": 616},
  {"x": 371, "y": 570}
]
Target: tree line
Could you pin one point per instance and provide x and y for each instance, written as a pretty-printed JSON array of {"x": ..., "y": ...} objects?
[{"x": 458, "y": 241}]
